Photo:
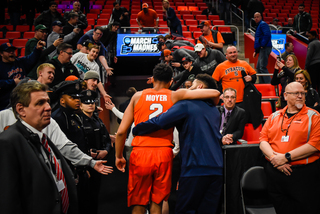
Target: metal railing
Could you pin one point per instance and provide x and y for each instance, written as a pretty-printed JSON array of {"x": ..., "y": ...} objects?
[
  {"x": 231, "y": 26},
  {"x": 140, "y": 31},
  {"x": 242, "y": 15}
]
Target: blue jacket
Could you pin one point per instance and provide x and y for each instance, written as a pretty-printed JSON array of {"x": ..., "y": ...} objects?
[
  {"x": 174, "y": 21},
  {"x": 262, "y": 37},
  {"x": 8, "y": 71},
  {"x": 198, "y": 124}
]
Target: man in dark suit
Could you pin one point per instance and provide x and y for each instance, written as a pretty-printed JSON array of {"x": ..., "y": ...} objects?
[
  {"x": 35, "y": 178},
  {"x": 232, "y": 118}
]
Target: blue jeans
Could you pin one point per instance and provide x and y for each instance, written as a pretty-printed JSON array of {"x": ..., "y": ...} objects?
[
  {"x": 262, "y": 64},
  {"x": 121, "y": 31},
  {"x": 199, "y": 194},
  {"x": 176, "y": 29}
]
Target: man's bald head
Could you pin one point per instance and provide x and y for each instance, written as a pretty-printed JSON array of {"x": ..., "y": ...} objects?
[
  {"x": 257, "y": 17},
  {"x": 294, "y": 86},
  {"x": 295, "y": 97}
]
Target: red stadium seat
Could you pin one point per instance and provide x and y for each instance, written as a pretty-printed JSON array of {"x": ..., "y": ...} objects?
[
  {"x": 284, "y": 11},
  {"x": 251, "y": 135},
  {"x": 158, "y": 8},
  {"x": 19, "y": 43},
  {"x": 188, "y": 16},
  {"x": 9, "y": 27},
  {"x": 193, "y": 28},
  {"x": 193, "y": 8},
  {"x": 105, "y": 16},
  {"x": 4, "y": 41},
  {"x": 185, "y": 12},
  {"x": 99, "y": 2},
  {"x": 268, "y": 19},
  {"x": 13, "y": 35},
  {"x": 182, "y": 8},
  {"x": 201, "y": 4},
  {"x": 22, "y": 52},
  {"x": 184, "y": 28},
  {"x": 95, "y": 11},
  {"x": 282, "y": 15},
  {"x": 189, "y": 4},
  {"x": 187, "y": 34},
  {"x": 91, "y": 21},
  {"x": 162, "y": 23},
  {"x": 268, "y": 7},
  {"x": 181, "y": 4},
  {"x": 266, "y": 109},
  {"x": 197, "y": 34},
  {"x": 267, "y": 90},
  {"x": 92, "y": 16},
  {"x": 22, "y": 28},
  {"x": 213, "y": 17},
  {"x": 277, "y": 7},
  {"x": 274, "y": 11},
  {"x": 191, "y": 22},
  {"x": 1, "y": 34},
  {"x": 201, "y": 17},
  {"x": 286, "y": 7},
  {"x": 273, "y": 15},
  {"x": 217, "y": 22},
  {"x": 103, "y": 21},
  {"x": 224, "y": 29},
  {"x": 134, "y": 16},
  {"x": 197, "y": 12}
]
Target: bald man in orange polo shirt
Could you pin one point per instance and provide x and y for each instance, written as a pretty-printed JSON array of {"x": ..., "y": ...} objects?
[{"x": 290, "y": 141}]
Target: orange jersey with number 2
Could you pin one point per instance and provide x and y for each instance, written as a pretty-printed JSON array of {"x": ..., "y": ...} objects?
[{"x": 151, "y": 104}]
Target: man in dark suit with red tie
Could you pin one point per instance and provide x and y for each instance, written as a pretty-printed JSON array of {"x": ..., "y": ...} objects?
[
  {"x": 232, "y": 118},
  {"x": 34, "y": 178}
]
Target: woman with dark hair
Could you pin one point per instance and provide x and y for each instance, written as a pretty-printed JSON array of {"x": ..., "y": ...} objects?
[
  {"x": 285, "y": 76},
  {"x": 312, "y": 97},
  {"x": 170, "y": 16}
]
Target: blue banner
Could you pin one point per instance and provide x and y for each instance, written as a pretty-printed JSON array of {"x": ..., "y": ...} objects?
[
  {"x": 278, "y": 41},
  {"x": 138, "y": 45}
]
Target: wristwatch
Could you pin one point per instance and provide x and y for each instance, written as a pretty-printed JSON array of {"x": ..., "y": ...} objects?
[{"x": 288, "y": 156}]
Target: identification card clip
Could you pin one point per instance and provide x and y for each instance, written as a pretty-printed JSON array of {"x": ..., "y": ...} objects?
[
  {"x": 60, "y": 185},
  {"x": 285, "y": 139}
]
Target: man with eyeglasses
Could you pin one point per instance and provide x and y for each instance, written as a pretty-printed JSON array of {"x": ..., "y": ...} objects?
[
  {"x": 232, "y": 118},
  {"x": 290, "y": 141},
  {"x": 64, "y": 67},
  {"x": 229, "y": 73}
]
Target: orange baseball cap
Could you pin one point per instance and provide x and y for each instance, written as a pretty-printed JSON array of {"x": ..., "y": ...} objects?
[
  {"x": 145, "y": 5},
  {"x": 71, "y": 78},
  {"x": 204, "y": 23}
]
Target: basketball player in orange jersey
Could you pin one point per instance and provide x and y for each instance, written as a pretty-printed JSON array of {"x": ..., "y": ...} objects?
[{"x": 150, "y": 163}]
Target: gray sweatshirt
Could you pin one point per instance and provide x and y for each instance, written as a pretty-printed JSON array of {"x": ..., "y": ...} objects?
[{"x": 53, "y": 36}]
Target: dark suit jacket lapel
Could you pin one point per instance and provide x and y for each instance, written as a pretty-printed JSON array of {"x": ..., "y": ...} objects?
[
  {"x": 35, "y": 144},
  {"x": 232, "y": 116}
]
